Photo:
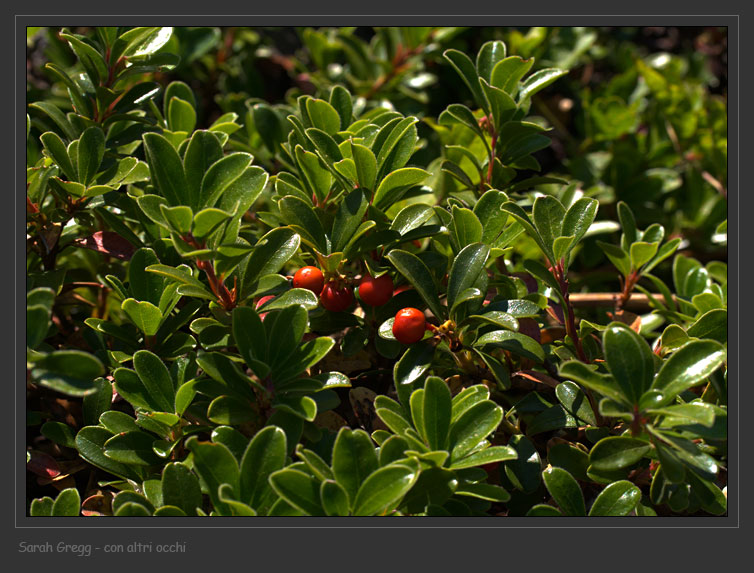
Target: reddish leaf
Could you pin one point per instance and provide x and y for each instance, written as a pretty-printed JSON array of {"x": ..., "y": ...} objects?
[
  {"x": 535, "y": 376},
  {"x": 529, "y": 327},
  {"x": 43, "y": 465},
  {"x": 109, "y": 243}
]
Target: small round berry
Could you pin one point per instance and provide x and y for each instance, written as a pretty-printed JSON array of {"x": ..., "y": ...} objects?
[
  {"x": 310, "y": 278},
  {"x": 336, "y": 298},
  {"x": 409, "y": 325},
  {"x": 376, "y": 291}
]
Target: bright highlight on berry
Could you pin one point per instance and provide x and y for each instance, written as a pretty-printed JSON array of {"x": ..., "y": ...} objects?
[
  {"x": 409, "y": 325},
  {"x": 310, "y": 278}
]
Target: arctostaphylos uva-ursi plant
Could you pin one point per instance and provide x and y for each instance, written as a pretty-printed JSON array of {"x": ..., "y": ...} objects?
[{"x": 389, "y": 272}]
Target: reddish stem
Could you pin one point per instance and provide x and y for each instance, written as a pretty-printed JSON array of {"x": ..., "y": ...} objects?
[
  {"x": 559, "y": 274},
  {"x": 490, "y": 167}
]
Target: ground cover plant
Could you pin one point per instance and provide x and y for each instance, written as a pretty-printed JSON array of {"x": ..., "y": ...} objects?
[{"x": 385, "y": 272}]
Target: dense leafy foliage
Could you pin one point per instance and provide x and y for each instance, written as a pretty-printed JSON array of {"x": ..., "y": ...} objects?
[{"x": 551, "y": 202}]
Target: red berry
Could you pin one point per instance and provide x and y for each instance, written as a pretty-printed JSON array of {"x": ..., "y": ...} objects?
[
  {"x": 309, "y": 278},
  {"x": 376, "y": 291},
  {"x": 336, "y": 298},
  {"x": 409, "y": 325},
  {"x": 402, "y": 288}
]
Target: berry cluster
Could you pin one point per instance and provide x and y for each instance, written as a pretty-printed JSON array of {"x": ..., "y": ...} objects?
[{"x": 336, "y": 295}]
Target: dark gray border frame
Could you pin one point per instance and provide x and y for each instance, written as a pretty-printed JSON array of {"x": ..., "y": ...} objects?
[{"x": 178, "y": 529}]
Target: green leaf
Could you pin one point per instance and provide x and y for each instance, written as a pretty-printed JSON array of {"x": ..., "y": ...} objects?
[
  {"x": 299, "y": 489},
  {"x": 202, "y": 151},
  {"x": 366, "y": 166},
  {"x": 514, "y": 342},
  {"x": 457, "y": 113},
  {"x": 617, "y": 452},
  {"x": 502, "y": 105},
  {"x": 178, "y": 218},
  {"x": 264, "y": 455},
  {"x": 396, "y": 146},
  {"x": 712, "y": 325},
  {"x": 251, "y": 340},
  {"x": 695, "y": 412},
  {"x": 180, "y": 488},
  {"x": 687, "y": 367},
  {"x": 587, "y": 375},
  {"x": 334, "y": 498},
  {"x": 216, "y": 465},
  {"x": 90, "y": 442},
  {"x": 167, "y": 169},
  {"x": 525, "y": 471},
  {"x": 59, "y": 433},
  {"x": 348, "y": 218},
  {"x": 543, "y": 510},
  {"x": 436, "y": 412},
  {"x": 575, "y": 401},
  {"x": 565, "y": 490},
  {"x": 71, "y": 372},
  {"x": 641, "y": 253},
  {"x": 133, "y": 448},
  {"x": 230, "y": 410},
  {"x": 181, "y": 115},
  {"x": 395, "y": 184},
  {"x": 294, "y": 297},
  {"x": 521, "y": 216},
  {"x": 384, "y": 489},
  {"x": 67, "y": 504},
  {"x": 467, "y": 398},
  {"x": 207, "y": 221},
  {"x": 41, "y": 507},
  {"x": 56, "y": 149},
  {"x": 508, "y": 72},
  {"x": 629, "y": 359},
  {"x": 156, "y": 379},
  {"x": 488, "y": 57},
  {"x": 97, "y": 402},
  {"x": 302, "y": 219},
  {"x": 270, "y": 253},
  {"x": 132, "y": 509},
  {"x": 538, "y": 81},
  {"x": 488, "y": 211},
  {"x": 417, "y": 273},
  {"x": 617, "y": 256},
  {"x": 663, "y": 253},
  {"x": 486, "y": 456},
  {"x": 340, "y": 99},
  {"x": 236, "y": 508},
  {"x": 466, "y": 69},
  {"x": 471, "y": 427},
  {"x": 317, "y": 176},
  {"x": 353, "y": 459},
  {"x": 91, "y": 149},
  {"x": 579, "y": 218},
  {"x": 146, "y": 316},
  {"x": 467, "y": 266},
  {"x": 617, "y": 499},
  {"x": 548, "y": 214},
  {"x": 323, "y": 115},
  {"x": 220, "y": 176},
  {"x": 464, "y": 228},
  {"x": 302, "y": 406},
  {"x": 327, "y": 147},
  {"x": 411, "y": 367}
]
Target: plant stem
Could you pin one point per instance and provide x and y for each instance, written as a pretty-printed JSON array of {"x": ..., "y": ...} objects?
[
  {"x": 491, "y": 165},
  {"x": 570, "y": 320}
]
